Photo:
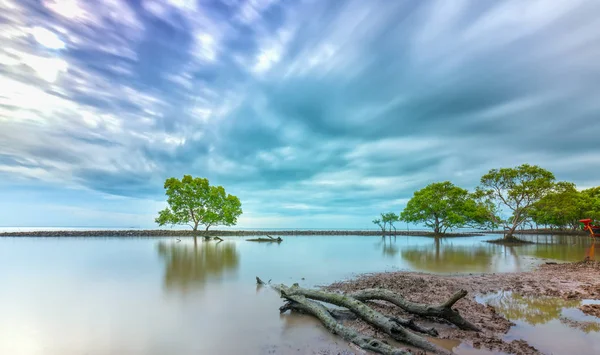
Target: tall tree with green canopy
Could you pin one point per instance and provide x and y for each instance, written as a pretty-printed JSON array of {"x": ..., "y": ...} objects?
[
  {"x": 516, "y": 190},
  {"x": 442, "y": 206},
  {"x": 563, "y": 207},
  {"x": 592, "y": 208},
  {"x": 193, "y": 201}
]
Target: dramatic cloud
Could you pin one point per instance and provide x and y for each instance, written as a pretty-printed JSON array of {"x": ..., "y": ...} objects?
[{"x": 315, "y": 113}]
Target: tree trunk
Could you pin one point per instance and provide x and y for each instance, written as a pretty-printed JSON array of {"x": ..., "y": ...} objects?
[
  {"x": 299, "y": 297},
  {"x": 443, "y": 310},
  {"x": 511, "y": 231},
  {"x": 302, "y": 304},
  {"x": 367, "y": 314},
  {"x": 267, "y": 240},
  {"x": 207, "y": 226},
  {"x": 344, "y": 314}
]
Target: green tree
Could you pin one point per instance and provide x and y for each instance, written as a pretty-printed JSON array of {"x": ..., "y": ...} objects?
[
  {"x": 562, "y": 208},
  {"x": 480, "y": 214},
  {"x": 386, "y": 220},
  {"x": 390, "y": 218},
  {"x": 592, "y": 203},
  {"x": 516, "y": 189},
  {"x": 380, "y": 223},
  {"x": 442, "y": 206},
  {"x": 193, "y": 201}
]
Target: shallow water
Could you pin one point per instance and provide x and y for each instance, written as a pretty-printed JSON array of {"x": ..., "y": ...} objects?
[
  {"x": 545, "y": 323},
  {"x": 159, "y": 296}
]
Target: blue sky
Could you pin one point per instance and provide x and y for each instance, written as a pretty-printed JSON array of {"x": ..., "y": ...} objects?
[{"x": 315, "y": 113}]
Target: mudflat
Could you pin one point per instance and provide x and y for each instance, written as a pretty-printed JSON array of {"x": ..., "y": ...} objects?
[{"x": 567, "y": 281}]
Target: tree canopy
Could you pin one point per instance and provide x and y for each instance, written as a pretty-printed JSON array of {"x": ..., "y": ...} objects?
[
  {"x": 387, "y": 220},
  {"x": 564, "y": 206},
  {"x": 442, "y": 206},
  {"x": 592, "y": 208},
  {"x": 525, "y": 194},
  {"x": 193, "y": 201},
  {"x": 515, "y": 189}
]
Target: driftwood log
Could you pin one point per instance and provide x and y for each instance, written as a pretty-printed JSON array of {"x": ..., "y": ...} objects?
[
  {"x": 443, "y": 310},
  {"x": 380, "y": 321},
  {"x": 269, "y": 239},
  {"x": 402, "y": 330},
  {"x": 305, "y": 305}
]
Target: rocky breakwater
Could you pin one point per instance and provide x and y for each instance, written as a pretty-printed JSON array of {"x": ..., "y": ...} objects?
[{"x": 222, "y": 233}]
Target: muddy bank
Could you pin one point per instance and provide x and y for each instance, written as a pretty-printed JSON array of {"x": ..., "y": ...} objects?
[
  {"x": 591, "y": 309},
  {"x": 229, "y": 233},
  {"x": 545, "y": 231},
  {"x": 571, "y": 281}
]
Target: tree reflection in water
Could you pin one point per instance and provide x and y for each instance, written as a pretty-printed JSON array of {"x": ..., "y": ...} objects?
[
  {"x": 189, "y": 267},
  {"x": 533, "y": 310},
  {"x": 563, "y": 248},
  {"x": 390, "y": 250},
  {"x": 442, "y": 257}
]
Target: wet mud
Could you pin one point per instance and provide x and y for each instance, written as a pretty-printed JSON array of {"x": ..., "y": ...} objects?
[{"x": 566, "y": 281}]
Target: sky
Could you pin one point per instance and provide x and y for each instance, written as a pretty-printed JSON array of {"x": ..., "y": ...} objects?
[{"x": 315, "y": 113}]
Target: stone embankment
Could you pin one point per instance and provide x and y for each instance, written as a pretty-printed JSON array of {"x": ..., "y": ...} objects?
[{"x": 222, "y": 233}]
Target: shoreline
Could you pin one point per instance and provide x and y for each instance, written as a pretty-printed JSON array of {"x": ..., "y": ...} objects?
[
  {"x": 222, "y": 233},
  {"x": 543, "y": 232},
  {"x": 566, "y": 282}
]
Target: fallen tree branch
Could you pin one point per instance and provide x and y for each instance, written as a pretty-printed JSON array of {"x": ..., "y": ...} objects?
[
  {"x": 364, "y": 312},
  {"x": 341, "y": 314},
  {"x": 410, "y": 324},
  {"x": 302, "y": 304},
  {"x": 344, "y": 314},
  {"x": 443, "y": 310},
  {"x": 270, "y": 239}
]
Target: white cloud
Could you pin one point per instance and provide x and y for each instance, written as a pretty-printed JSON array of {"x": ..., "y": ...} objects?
[
  {"x": 251, "y": 10},
  {"x": 206, "y": 46},
  {"x": 46, "y": 68},
  {"x": 347, "y": 131},
  {"x": 266, "y": 59},
  {"x": 47, "y": 38},
  {"x": 70, "y": 9},
  {"x": 393, "y": 147},
  {"x": 302, "y": 206}
]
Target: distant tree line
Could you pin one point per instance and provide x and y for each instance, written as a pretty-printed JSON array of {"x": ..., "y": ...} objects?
[{"x": 528, "y": 194}]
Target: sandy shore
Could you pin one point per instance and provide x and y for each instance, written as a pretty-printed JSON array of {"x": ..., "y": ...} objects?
[{"x": 571, "y": 281}]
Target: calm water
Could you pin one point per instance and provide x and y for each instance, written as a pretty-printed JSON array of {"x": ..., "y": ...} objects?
[
  {"x": 159, "y": 296},
  {"x": 544, "y": 323}
]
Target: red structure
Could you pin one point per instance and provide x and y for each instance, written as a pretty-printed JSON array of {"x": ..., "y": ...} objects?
[{"x": 594, "y": 230}]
